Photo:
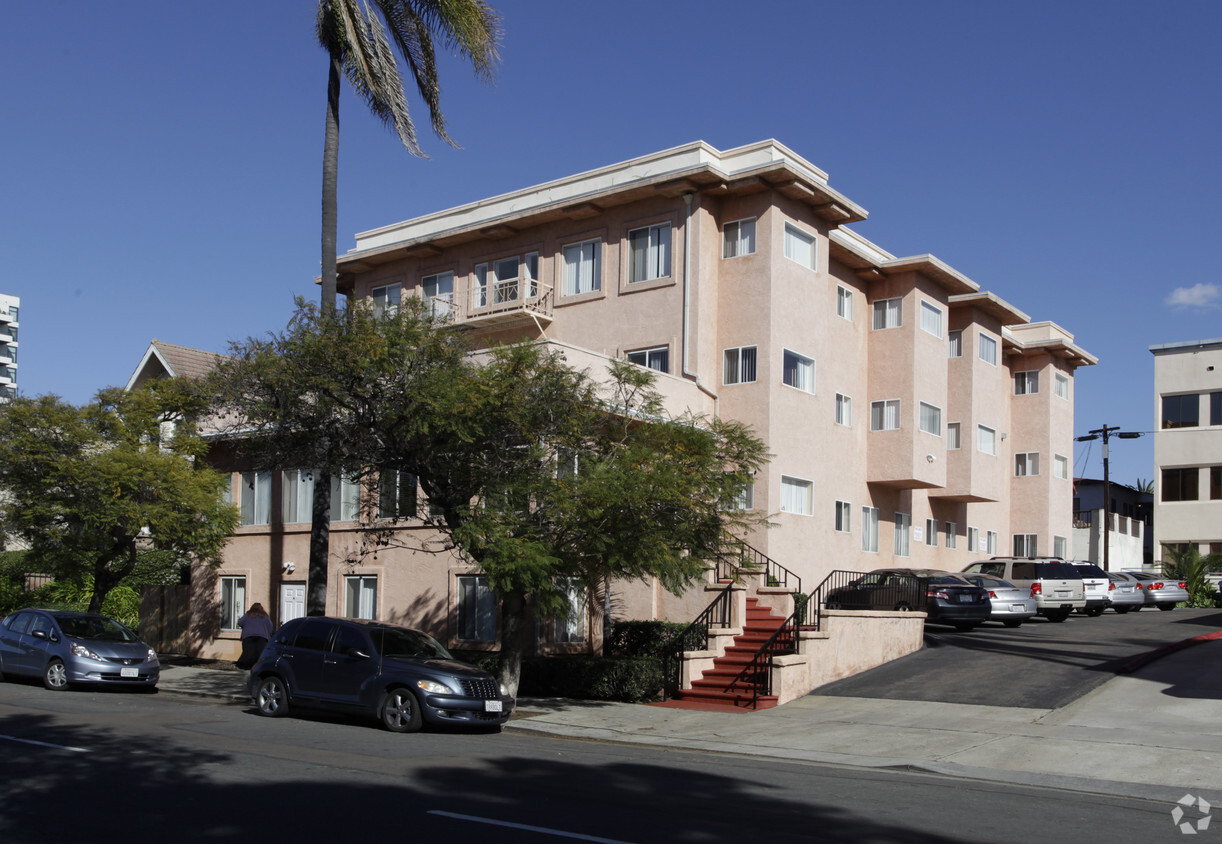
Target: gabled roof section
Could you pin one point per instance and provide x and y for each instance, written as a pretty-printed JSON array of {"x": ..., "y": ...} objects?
[
  {"x": 167, "y": 360},
  {"x": 692, "y": 168}
]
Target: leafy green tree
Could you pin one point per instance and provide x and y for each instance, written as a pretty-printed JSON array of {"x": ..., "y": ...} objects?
[
  {"x": 358, "y": 39},
  {"x": 89, "y": 488},
  {"x": 1190, "y": 566}
]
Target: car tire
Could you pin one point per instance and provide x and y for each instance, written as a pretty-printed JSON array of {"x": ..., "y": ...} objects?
[
  {"x": 1013, "y": 622},
  {"x": 55, "y": 676},
  {"x": 1057, "y": 616},
  {"x": 1122, "y": 610},
  {"x": 272, "y": 697},
  {"x": 1096, "y": 612},
  {"x": 1166, "y": 607},
  {"x": 966, "y": 626},
  {"x": 399, "y": 711}
]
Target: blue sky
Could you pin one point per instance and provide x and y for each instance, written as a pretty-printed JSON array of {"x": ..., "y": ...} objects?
[{"x": 163, "y": 160}]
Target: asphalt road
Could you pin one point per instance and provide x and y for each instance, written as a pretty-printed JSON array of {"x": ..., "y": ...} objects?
[
  {"x": 114, "y": 766},
  {"x": 1040, "y": 665}
]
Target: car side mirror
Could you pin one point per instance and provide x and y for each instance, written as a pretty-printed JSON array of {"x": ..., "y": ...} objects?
[{"x": 40, "y": 634}]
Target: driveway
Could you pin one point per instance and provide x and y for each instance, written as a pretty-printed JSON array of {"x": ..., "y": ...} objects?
[{"x": 1040, "y": 665}]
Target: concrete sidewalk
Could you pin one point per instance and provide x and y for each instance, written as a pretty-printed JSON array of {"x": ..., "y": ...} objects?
[{"x": 1154, "y": 733}]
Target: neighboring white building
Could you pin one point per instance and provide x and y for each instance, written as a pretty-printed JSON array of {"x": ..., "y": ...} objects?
[
  {"x": 1188, "y": 445},
  {"x": 9, "y": 306}
]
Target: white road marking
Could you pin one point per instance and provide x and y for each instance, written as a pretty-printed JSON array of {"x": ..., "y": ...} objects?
[
  {"x": 44, "y": 744},
  {"x": 526, "y": 828}
]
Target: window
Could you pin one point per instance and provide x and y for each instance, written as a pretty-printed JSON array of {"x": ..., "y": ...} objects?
[
  {"x": 931, "y": 419},
  {"x": 233, "y": 601},
  {"x": 1026, "y": 383},
  {"x": 744, "y": 499},
  {"x": 844, "y": 410},
  {"x": 799, "y": 246},
  {"x": 973, "y": 540},
  {"x": 986, "y": 439},
  {"x": 386, "y": 299},
  {"x": 797, "y": 496},
  {"x": 658, "y": 358},
  {"x": 844, "y": 303},
  {"x": 869, "y": 529},
  {"x": 885, "y": 415},
  {"x": 1181, "y": 411},
  {"x": 476, "y": 609},
  {"x": 1061, "y": 386},
  {"x": 571, "y": 628},
  {"x": 438, "y": 292},
  {"x": 1215, "y": 483},
  {"x": 888, "y": 313},
  {"x": 1215, "y": 408},
  {"x": 952, "y": 539},
  {"x": 396, "y": 495},
  {"x": 256, "y": 498},
  {"x": 582, "y": 267},
  {"x": 1181, "y": 484},
  {"x": 988, "y": 349},
  {"x": 738, "y": 239},
  {"x": 931, "y": 532},
  {"x": 297, "y": 496},
  {"x": 1060, "y": 466},
  {"x": 1026, "y": 463},
  {"x": 798, "y": 371},
  {"x": 903, "y": 530},
  {"x": 360, "y": 596},
  {"x": 955, "y": 342},
  {"x": 931, "y": 319},
  {"x": 345, "y": 499},
  {"x": 843, "y": 516},
  {"x": 991, "y": 544},
  {"x": 1025, "y": 545},
  {"x": 650, "y": 253},
  {"x": 954, "y": 437},
  {"x": 739, "y": 365},
  {"x": 1060, "y": 547}
]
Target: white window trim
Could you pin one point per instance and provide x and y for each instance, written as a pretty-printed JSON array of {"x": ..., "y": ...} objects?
[
  {"x": 804, "y": 363},
  {"x": 921, "y": 418},
  {"x": 843, "y": 522},
  {"x": 844, "y": 302},
  {"x": 930, "y": 309},
  {"x": 742, "y": 246},
  {"x": 366, "y": 589},
  {"x": 739, "y": 365},
  {"x": 595, "y": 261},
  {"x": 952, "y": 539},
  {"x": 886, "y": 405},
  {"x": 844, "y": 410},
  {"x": 1061, "y": 386},
  {"x": 1030, "y": 462},
  {"x": 808, "y": 485},
  {"x": 1030, "y": 380},
  {"x": 649, "y": 353},
  {"x": 793, "y": 233},
  {"x": 657, "y": 253},
  {"x": 991, "y": 343},
  {"x": 955, "y": 442},
  {"x": 869, "y": 529},
  {"x": 903, "y": 535},
  {"x": 931, "y": 533},
  {"x": 993, "y": 431},
  {"x": 233, "y": 605},
  {"x": 954, "y": 343},
  {"x": 887, "y": 312},
  {"x": 1060, "y": 466}
]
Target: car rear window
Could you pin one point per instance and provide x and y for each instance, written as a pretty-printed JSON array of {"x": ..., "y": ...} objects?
[
  {"x": 1060, "y": 571},
  {"x": 1089, "y": 570}
]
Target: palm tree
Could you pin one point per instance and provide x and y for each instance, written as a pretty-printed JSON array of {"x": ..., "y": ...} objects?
[
  {"x": 357, "y": 38},
  {"x": 1190, "y": 566}
]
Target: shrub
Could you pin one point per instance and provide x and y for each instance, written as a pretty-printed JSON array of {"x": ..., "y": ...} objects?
[
  {"x": 624, "y": 679},
  {"x": 641, "y": 638}
]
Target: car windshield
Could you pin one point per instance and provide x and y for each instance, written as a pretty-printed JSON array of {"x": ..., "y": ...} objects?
[
  {"x": 97, "y": 629},
  {"x": 1063, "y": 571},
  {"x": 394, "y": 641},
  {"x": 1090, "y": 571},
  {"x": 946, "y": 580}
]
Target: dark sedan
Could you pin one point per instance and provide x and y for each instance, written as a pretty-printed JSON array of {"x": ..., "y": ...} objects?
[{"x": 945, "y": 597}]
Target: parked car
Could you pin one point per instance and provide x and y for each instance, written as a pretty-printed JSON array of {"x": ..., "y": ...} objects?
[
  {"x": 401, "y": 676},
  {"x": 1055, "y": 585},
  {"x": 1095, "y": 586},
  {"x": 1127, "y": 592},
  {"x": 67, "y": 648},
  {"x": 945, "y": 598},
  {"x": 1161, "y": 592},
  {"x": 1009, "y": 604}
]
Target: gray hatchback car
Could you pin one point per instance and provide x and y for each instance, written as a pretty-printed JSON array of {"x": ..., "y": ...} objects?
[
  {"x": 403, "y": 677},
  {"x": 67, "y": 648}
]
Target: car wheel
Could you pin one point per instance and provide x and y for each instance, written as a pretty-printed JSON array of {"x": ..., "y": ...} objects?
[
  {"x": 55, "y": 677},
  {"x": 902, "y": 606},
  {"x": 966, "y": 626},
  {"x": 399, "y": 711},
  {"x": 1096, "y": 612},
  {"x": 272, "y": 697},
  {"x": 1122, "y": 610},
  {"x": 1012, "y": 622},
  {"x": 1057, "y": 616},
  {"x": 1166, "y": 607}
]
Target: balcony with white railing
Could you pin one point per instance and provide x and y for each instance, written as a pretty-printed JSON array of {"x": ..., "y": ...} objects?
[{"x": 503, "y": 303}]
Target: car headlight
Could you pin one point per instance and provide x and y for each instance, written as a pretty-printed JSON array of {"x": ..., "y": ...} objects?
[
  {"x": 434, "y": 688},
  {"x": 504, "y": 691},
  {"x": 152, "y": 657},
  {"x": 81, "y": 650}
]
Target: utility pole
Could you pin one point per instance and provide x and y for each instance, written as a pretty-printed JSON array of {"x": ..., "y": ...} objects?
[{"x": 1105, "y": 432}]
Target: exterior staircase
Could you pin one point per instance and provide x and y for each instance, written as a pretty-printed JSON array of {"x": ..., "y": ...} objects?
[{"x": 717, "y": 688}]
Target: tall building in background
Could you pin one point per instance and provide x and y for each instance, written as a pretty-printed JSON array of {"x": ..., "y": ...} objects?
[
  {"x": 8, "y": 346},
  {"x": 1188, "y": 445}
]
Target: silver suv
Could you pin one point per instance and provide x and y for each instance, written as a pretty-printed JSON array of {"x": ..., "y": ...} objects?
[
  {"x": 1055, "y": 585},
  {"x": 1097, "y": 586}
]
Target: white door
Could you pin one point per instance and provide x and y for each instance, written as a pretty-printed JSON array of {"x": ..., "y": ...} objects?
[{"x": 292, "y": 601}]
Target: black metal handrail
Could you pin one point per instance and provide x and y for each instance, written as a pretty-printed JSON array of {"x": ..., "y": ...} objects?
[
  {"x": 857, "y": 590},
  {"x": 695, "y": 637},
  {"x": 756, "y": 677},
  {"x": 736, "y": 556}
]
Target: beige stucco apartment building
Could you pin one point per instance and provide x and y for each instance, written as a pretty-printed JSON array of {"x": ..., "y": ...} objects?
[
  {"x": 1188, "y": 445},
  {"x": 915, "y": 419}
]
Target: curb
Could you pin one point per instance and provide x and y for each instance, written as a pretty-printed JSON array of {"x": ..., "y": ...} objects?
[{"x": 1148, "y": 657}]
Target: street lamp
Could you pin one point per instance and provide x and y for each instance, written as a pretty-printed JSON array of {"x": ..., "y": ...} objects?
[{"x": 1106, "y": 432}]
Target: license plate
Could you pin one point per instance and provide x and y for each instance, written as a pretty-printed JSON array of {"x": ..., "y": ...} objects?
[
  {"x": 1064, "y": 594},
  {"x": 965, "y": 599},
  {"x": 1017, "y": 608},
  {"x": 492, "y": 706},
  {"x": 129, "y": 672}
]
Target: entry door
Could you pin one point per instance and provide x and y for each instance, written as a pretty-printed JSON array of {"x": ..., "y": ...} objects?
[{"x": 292, "y": 601}]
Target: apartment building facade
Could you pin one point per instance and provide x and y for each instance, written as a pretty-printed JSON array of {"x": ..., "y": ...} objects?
[
  {"x": 1188, "y": 445},
  {"x": 9, "y": 311},
  {"x": 915, "y": 419}
]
